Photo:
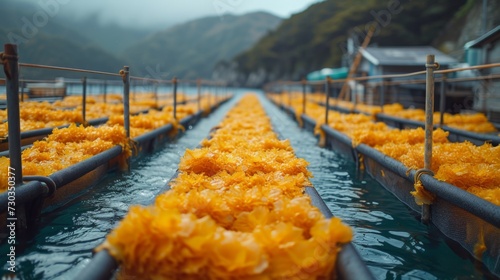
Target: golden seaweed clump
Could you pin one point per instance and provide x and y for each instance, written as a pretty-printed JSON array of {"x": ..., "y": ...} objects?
[
  {"x": 237, "y": 210},
  {"x": 66, "y": 147},
  {"x": 465, "y": 165}
]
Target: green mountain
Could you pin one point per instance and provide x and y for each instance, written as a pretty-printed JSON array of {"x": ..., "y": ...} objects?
[
  {"x": 112, "y": 37},
  {"x": 46, "y": 40},
  {"x": 316, "y": 38},
  {"x": 191, "y": 50}
]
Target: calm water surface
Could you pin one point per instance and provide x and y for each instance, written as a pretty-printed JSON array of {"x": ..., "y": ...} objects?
[{"x": 389, "y": 237}]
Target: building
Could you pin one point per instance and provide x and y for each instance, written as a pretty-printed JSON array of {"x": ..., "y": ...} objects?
[
  {"x": 400, "y": 60},
  {"x": 486, "y": 50}
]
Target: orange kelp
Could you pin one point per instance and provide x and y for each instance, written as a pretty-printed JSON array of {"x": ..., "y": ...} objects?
[
  {"x": 237, "y": 210},
  {"x": 474, "y": 122},
  {"x": 465, "y": 165},
  {"x": 66, "y": 147}
]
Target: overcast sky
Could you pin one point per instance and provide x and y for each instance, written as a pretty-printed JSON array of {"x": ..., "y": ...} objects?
[{"x": 158, "y": 12}]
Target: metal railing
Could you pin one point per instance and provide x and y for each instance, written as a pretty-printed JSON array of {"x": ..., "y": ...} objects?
[
  {"x": 381, "y": 84},
  {"x": 13, "y": 83}
]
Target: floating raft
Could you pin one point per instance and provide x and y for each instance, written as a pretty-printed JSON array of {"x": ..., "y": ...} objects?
[
  {"x": 469, "y": 220},
  {"x": 230, "y": 177}
]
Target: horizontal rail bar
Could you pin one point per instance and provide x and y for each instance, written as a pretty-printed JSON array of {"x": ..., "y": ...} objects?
[
  {"x": 101, "y": 267},
  {"x": 473, "y": 204},
  {"x": 24, "y": 193},
  {"x": 30, "y": 65},
  {"x": 477, "y": 67},
  {"x": 74, "y": 172},
  {"x": 349, "y": 263}
]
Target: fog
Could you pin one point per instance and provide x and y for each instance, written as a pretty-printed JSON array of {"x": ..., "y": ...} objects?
[{"x": 154, "y": 13}]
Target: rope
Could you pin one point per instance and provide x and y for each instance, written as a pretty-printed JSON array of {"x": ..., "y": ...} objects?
[
  {"x": 477, "y": 67},
  {"x": 421, "y": 195},
  {"x": 30, "y": 65},
  {"x": 150, "y": 80}
]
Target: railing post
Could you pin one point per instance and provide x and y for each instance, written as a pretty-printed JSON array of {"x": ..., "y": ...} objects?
[
  {"x": 382, "y": 96},
  {"x": 11, "y": 69},
  {"x": 84, "y": 99},
  {"x": 105, "y": 90},
  {"x": 442, "y": 100},
  {"x": 290, "y": 96},
  {"x": 429, "y": 124},
  {"x": 282, "y": 96},
  {"x": 23, "y": 84},
  {"x": 304, "y": 96},
  {"x": 327, "y": 105},
  {"x": 174, "y": 82},
  {"x": 216, "y": 93},
  {"x": 155, "y": 93},
  {"x": 134, "y": 90},
  {"x": 125, "y": 72},
  {"x": 198, "y": 88}
]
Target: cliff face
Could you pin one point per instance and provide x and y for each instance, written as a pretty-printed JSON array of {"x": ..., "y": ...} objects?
[
  {"x": 316, "y": 37},
  {"x": 467, "y": 25}
]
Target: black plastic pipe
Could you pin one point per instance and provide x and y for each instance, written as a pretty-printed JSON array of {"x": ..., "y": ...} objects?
[
  {"x": 24, "y": 193},
  {"x": 76, "y": 171},
  {"x": 101, "y": 267},
  {"x": 84, "y": 99},
  {"x": 482, "y": 137}
]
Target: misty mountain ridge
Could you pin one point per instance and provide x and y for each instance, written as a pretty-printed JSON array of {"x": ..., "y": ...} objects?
[{"x": 191, "y": 50}]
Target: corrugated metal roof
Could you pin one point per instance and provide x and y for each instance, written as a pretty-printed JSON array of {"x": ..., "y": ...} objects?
[
  {"x": 404, "y": 56},
  {"x": 488, "y": 37}
]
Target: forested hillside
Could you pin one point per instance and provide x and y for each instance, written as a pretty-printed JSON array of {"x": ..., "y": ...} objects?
[{"x": 316, "y": 38}]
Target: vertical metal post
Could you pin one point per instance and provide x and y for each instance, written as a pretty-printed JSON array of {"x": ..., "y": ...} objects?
[
  {"x": 354, "y": 96},
  {"x": 429, "y": 110},
  {"x": 23, "y": 84},
  {"x": 105, "y": 90},
  {"x": 382, "y": 96},
  {"x": 289, "y": 96},
  {"x": 155, "y": 93},
  {"x": 84, "y": 99},
  {"x": 174, "y": 81},
  {"x": 442, "y": 100},
  {"x": 327, "y": 105},
  {"x": 11, "y": 69},
  {"x": 429, "y": 125},
  {"x": 336, "y": 94},
  {"x": 126, "y": 99},
  {"x": 365, "y": 91},
  {"x": 282, "y": 94},
  {"x": 303, "y": 96},
  {"x": 198, "y": 87},
  {"x": 134, "y": 90},
  {"x": 216, "y": 94}
]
